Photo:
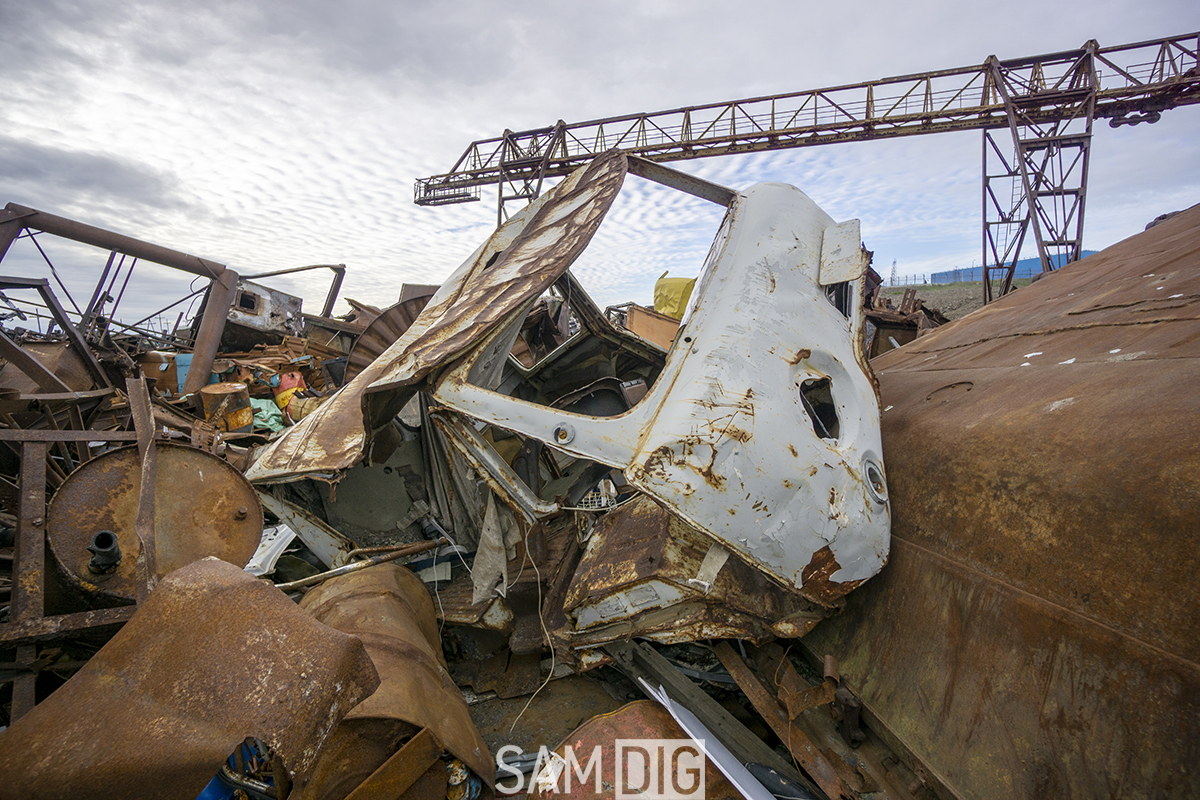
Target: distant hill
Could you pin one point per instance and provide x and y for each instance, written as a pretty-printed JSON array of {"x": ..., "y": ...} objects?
[{"x": 1026, "y": 268}]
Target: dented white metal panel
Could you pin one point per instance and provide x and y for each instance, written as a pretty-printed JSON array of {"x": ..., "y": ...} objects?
[
  {"x": 723, "y": 437},
  {"x": 842, "y": 256}
]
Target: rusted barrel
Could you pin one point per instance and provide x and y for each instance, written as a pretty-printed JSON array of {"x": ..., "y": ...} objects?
[{"x": 227, "y": 406}]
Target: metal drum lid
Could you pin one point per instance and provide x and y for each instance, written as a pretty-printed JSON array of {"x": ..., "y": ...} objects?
[{"x": 203, "y": 507}]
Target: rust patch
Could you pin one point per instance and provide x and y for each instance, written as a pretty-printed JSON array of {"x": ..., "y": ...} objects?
[
  {"x": 792, "y": 450},
  {"x": 815, "y": 578},
  {"x": 801, "y": 354},
  {"x": 203, "y": 507},
  {"x": 737, "y": 434}
]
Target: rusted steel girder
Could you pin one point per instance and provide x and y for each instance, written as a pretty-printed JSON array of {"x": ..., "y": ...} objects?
[{"x": 16, "y": 218}]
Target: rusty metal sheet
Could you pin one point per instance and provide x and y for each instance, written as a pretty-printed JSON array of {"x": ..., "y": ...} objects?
[
  {"x": 516, "y": 264},
  {"x": 390, "y": 610},
  {"x": 261, "y": 315},
  {"x": 1035, "y": 633},
  {"x": 762, "y": 430},
  {"x": 382, "y": 332},
  {"x": 641, "y": 719},
  {"x": 642, "y": 560},
  {"x": 203, "y": 507},
  {"x": 213, "y": 656}
]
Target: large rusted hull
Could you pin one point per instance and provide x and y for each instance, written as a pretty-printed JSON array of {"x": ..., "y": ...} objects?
[{"x": 1035, "y": 633}]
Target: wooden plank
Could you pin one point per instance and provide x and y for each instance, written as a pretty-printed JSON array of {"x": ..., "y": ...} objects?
[
  {"x": 62, "y": 626},
  {"x": 143, "y": 423},
  {"x": 29, "y": 552},
  {"x": 33, "y": 435},
  {"x": 24, "y": 684}
]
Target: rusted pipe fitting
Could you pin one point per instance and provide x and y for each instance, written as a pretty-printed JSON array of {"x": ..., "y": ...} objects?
[{"x": 106, "y": 553}]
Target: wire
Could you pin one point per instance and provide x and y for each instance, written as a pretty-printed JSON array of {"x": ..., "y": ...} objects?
[{"x": 545, "y": 632}]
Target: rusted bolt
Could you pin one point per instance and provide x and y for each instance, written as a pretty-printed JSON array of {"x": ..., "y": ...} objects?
[{"x": 241, "y": 513}]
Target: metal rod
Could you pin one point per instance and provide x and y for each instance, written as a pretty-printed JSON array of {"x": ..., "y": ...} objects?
[
  {"x": 54, "y": 272},
  {"x": 98, "y": 237},
  {"x": 91, "y": 306},
  {"x": 183, "y": 299},
  {"x": 420, "y": 547},
  {"x": 124, "y": 286}
]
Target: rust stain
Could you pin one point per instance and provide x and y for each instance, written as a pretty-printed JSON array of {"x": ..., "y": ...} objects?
[
  {"x": 801, "y": 354},
  {"x": 815, "y": 578}
]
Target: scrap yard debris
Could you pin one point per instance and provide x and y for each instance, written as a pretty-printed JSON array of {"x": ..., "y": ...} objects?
[{"x": 469, "y": 544}]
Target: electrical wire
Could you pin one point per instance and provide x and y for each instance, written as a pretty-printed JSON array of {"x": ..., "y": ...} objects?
[{"x": 545, "y": 633}]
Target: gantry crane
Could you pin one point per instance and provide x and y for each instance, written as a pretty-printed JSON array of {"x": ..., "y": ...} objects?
[{"x": 1034, "y": 176}]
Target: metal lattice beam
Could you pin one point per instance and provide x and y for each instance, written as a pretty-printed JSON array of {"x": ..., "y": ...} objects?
[
  {"x": 1046, "y": 177},
  {"x": 1046, "y": 102}
]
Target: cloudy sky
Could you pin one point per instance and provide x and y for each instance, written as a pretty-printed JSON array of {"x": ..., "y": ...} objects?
[{"x": 266, "y": 135}]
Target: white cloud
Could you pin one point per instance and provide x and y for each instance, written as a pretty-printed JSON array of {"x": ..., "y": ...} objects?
[{"x": 268, "y": 136}]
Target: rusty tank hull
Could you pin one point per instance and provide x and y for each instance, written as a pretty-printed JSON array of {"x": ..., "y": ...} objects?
[{"x": 1035, "y": 633}]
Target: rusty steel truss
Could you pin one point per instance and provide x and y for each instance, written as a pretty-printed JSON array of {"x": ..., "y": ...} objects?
[{"x": 1038, "y": 182}]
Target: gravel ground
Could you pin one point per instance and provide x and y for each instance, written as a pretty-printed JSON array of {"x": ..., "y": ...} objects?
[{"x": 952, "y": 299}]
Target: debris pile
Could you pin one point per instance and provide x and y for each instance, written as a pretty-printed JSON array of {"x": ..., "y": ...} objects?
[
  {"x": 502, "y": 514},
  {"x": 889, "y": 326}
]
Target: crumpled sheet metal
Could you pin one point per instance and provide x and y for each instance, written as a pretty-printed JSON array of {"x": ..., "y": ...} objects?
[
  {"x": 213, "y": 656},
  {"x": 1036, "y": 633},
  {"x": 723, "y": 437},
  {"x": 647, "y": 573},
  {"x": 390, "y": 610},
  {"x": 530, "y": 252}
]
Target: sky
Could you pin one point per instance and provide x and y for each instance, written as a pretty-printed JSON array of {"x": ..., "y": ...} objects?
[{"x": 267, "y": 135}]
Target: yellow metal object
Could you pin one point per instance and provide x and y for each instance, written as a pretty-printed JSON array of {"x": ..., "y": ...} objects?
[{"x": 671, "y": 295}]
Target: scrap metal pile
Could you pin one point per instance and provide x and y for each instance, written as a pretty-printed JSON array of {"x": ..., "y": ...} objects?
[
  {"x": 445, "y": 548},
  {"x": 560, "y": 491}
]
